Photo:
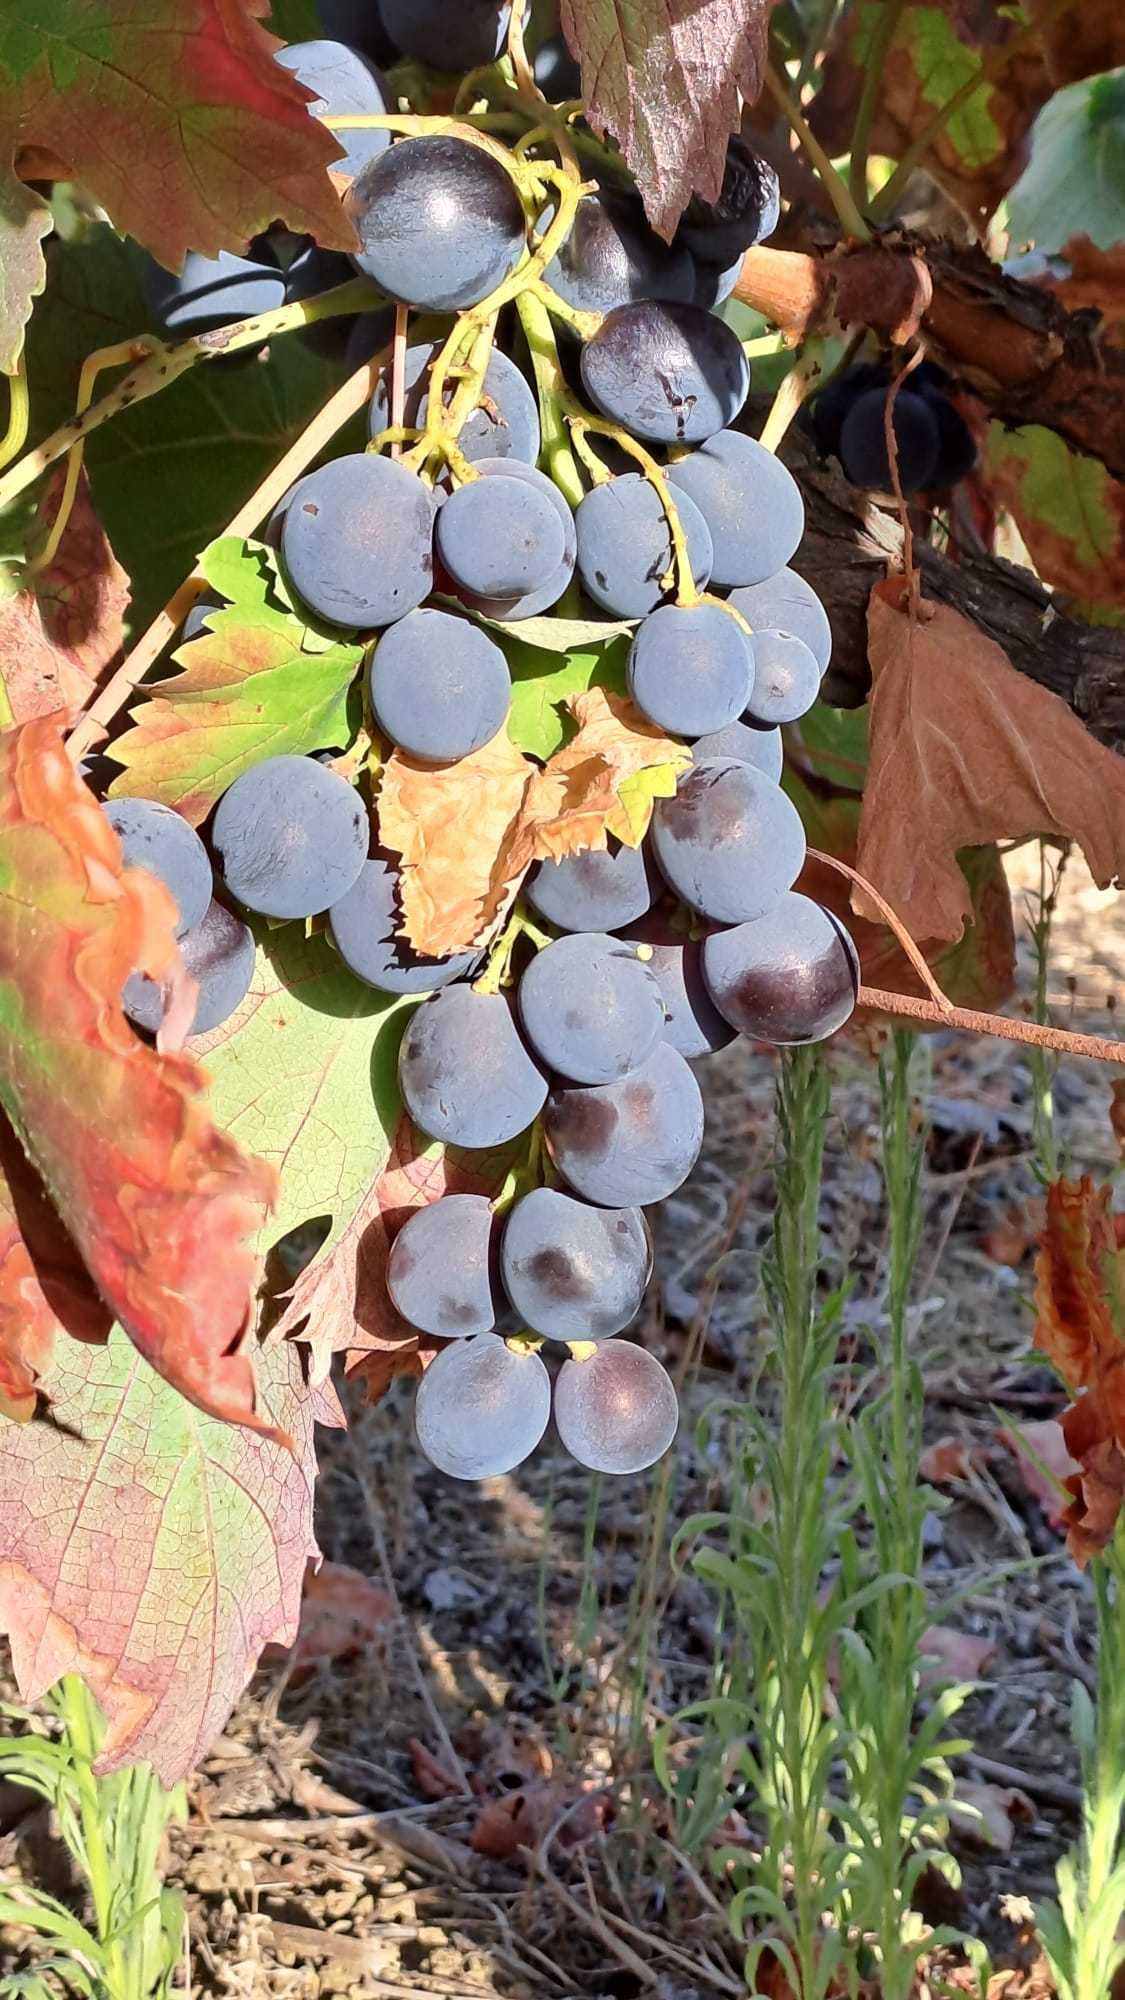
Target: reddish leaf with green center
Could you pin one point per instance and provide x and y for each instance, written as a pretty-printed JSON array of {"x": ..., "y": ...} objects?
[
  {"x": 663, "y": 76},
  {"x": 45, "y": 1289},
  {"x": 160, "y": 1203},
  {"x": 175, "y": 117},
  {"x": 153, "y": 1550},
  {"x": 57, "y": 637}
]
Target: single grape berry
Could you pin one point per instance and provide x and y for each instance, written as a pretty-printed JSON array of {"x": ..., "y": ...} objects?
[
  {"x": 788, "y": 978},
  {"x": 556, "y": 72},
  {"x": 210, "y": 292},
  {"x": 152, "y": 836},
  {"x": 612, "y": 257},
  {"x": 573, "y": 1272},
  {"x": 625, "y": 549},
  {"x": 746, "y": 210},
  {"x": 343, "y": 83},
  {"x": 692, "y": 1022},
  {"x": 690, "y": 668},
  {"x": 750, "y": 501},
  {"x": 439, "y": 222},
  {"x": 364, "y": 926},
  {"x": 504, "y": 424},
  {"x": 531, "y": 602},
  {"x": 863, "y": 441},
  {"x": 747, "y": 743},
  {"x": 498, "y": 538},
  {"x": 729, "y": 843},
  {"x": 823, "y": 416},
  {"x": 786, "y": 679},
  {"x": 590, "y": 1008},
  {"x": 439, "y": 686},
  {"x": 443, "y": 1270},
  {"x": 786, "y": 603},
  {"x": 291, "y": 837},
  {"x": 671, "y": 374},
  {"x": 466, "y": 1077},
  {"x": 359, "y": 23},
  {"x": 357, "y": 541},
  {"x": 481, "y": 1407},
  {"x": 598, "y": 890},
  {"x": 448, "y": 38},
  {"x": 623, "y": 1145},
  {"x": 218, "y": 952},
  {"x": 616, "y": 1411}
]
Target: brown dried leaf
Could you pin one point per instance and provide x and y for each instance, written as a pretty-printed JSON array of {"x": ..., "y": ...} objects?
[
  {"x": 1076, "y": 1271},
  {"x": 965, "y": 750},
  {"x": 585, "y": 793},
  {"x": 1080, "y": 41},
  {"x": 988, "y": 1814},
  {"x": 949, "y": 1458},
  {"x": 343, "y": 1614},
  {"x": 430, "y": 1774},
  {"x": 453, "y": 827},
  {"x": 57, "y": 638},
  {"x": 948, "y": 1655},
  {"x": 1045, "y": 1464},
  {"x": 1097, "y": 1489},
  {"x": 520, "y": 1819}
]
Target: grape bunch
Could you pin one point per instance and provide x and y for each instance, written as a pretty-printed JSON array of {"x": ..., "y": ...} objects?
[
  {"x": 934, "y": 446},
  {"x": 571, "y": 1039}
]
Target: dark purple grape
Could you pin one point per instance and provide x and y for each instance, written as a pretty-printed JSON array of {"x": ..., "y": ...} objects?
[
  {"x": 746, "y": 210},
  {"x": 533, "y": 601},
  {"x": 750, "y": 501},
  {"x": 211, "y": 292},
  {"x": 439, "y": 686},
  {"x": 747, "y": 743},
  {"x": 863, "y": 441},
  {"x": 443, "y": 1270},
  {"x": 357, "y": 541},
  {"x": 786, "y": 603},
  {"x": 556, "y": 71},
  {"x": 671, "y": 374},
  {"x": 573, "y": 1272},
  {"x": 458, "y": 37},
  {"x": 823, "y": 417},
  {"x": 623, "y": 1145},
  {"x": 612, "y": 257},
  {"x": 498, "y": 538},
  {"x": 692, "y": 1023},
  {"x": 439, "y": 222},
  {"x": 481, "y": 1407},
  {"x": 505, "y": 423},
  {"x": 360, "y": 23},
  {"x": 343, "y": 83},
  {"x": 616, "y": 1411},
  {"x": 466, "y": 1077},
  {"x": 786, "y": 679},
  {"x": 690, "y": 668},
  {"x": 730, "y": 843},
  {"x": 365, "y": 925},
  {"x": 218, "y": 952},
  {"x": 791, "y": 977}
]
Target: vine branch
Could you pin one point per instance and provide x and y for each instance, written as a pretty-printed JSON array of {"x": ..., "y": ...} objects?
[{"x": 1034, "y": 1034}]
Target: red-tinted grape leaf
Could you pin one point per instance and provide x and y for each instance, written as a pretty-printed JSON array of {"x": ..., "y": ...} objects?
[
  {"x": 58, "y": 636},
  {"x": 45, "y": 1289},
  {"x": 340, "y": 1301},
  {"x": 24, "y": 222},
  {"x": 258, "y": 684},
  {"x": 160, "y": 1202},
  {"x": 152, "y": 1549},
  {"x": 825, "y": 770},
  {"x": 1069, "y": 510},
  {"x": 1018, "y": 762},
  {"x": 175, "y": 117},
  {"x": 663, "y": 77}
]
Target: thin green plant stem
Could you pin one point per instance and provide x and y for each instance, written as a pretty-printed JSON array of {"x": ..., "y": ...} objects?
[
  {"x": 540, "y": 337},
  {"x": 77, "y": 1712},
  {"x": 833, "y": 183},
  {"x": 885, "y": 28},
  {"x": 814, "y": 42},
  {"x": 19, "y": 414}
]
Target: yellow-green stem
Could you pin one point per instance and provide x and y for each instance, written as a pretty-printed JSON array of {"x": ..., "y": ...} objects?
[
  {"x": 885, "y": 27},
  {"x": 833, "y": 183},
  {"x": 19, "y": 414}
]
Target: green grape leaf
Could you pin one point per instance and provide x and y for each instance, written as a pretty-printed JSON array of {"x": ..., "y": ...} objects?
[
  {"x": 1074, "y": 182},
  {"x": 250, "y": 688},
  {"x": 663, "y": 77},
  {"x": 168, "y": 474},
  {"x": 154, "y": 1550},
  {"x": 1070, "y": 512},
  {"x": 561, "y": 635},
  {"x": 174, "y": 116},
  {"x": 539, "y": 722}
]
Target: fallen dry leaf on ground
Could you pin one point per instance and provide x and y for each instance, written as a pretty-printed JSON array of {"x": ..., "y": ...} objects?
[
  {"x": 987, "y": 1814},
  {"x": 949, "y": 1458},
  {"x": 965, "y": 750},
  {"x": 1079, "y": 1306},
  {"x": 59, "y": 635},
  {"x": 1045, "y": 1464},
  {"x": 521, "y": 1819},
  {"x": 949, "y": 1655},
  {"x": 343, "y": 1613}
]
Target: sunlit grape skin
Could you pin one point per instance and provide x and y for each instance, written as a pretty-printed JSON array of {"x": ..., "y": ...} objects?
[
  {"x": 792, "y": 977},
  {"x": 730, "y": 843},
  {"x": 624, "y": 1145},
  {"x": 465, "y": 1076},
  {"x": 590, "y": 1008},
  {"x": 481, "y": 1407},
  {"x": 571, "y": 1271},
  {"x": 616, "y": 1411},
  {"x": 442, "y": 1270}
]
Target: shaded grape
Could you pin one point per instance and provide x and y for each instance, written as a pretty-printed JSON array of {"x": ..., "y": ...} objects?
[
  {"x": 439, "y": 222},
  {"x": 152, "y": 836},
  {"x": 625, "y": 549},
  {"x": 729, "y": 843},
  {"x": 439, "y": 686},
  {"x": 195, "y": 623},
  {"x": 447, "y": 38},
  {"x": 210, "y": 292},
  {"x": 750, "y": 501},
  {"x": 589, "y": 1007},
  {"x": 592, "y": 891},
  {"x": 466, "y": 1077},
  {"x": 626, "y": 1144},
  {"x": 746, "y": 210},
  {"x": 556, "y": 71},
  {"x": 218, "y": 952},
  {"x": 360, "y": 23},
  {"x": 790, "y": 977},
  {"x": 863, "y": 441},
  {"x": 481, "y": 1407},
  {"x": 713, "y": 285},
  {"x": 823, "y": 417},
  {"x": 747, "y": 743},
  {"x": 573, "y": 1272},
  {"x": 690, "y": 668},
  {"x": 957, "y": 447},
  {"x": 617, "y": 1410},
  {"x": 786, "y": 603},
  {"x": 671, "y": 374},
  {"x": 443, "y": 1269},
  {"x": 498, "y": 538},
  {"x": 786, "y": 678},
  {"x": 291, "y": 837},
  {"x": 612, "y": 257},
  {"x": 357, "y": 541},
  {"x": 505, "y": 423},
  {"x": 692, "y": 1022},
  {"x": 365, "y": 924},
  {"x": 343, "y": 84}
]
